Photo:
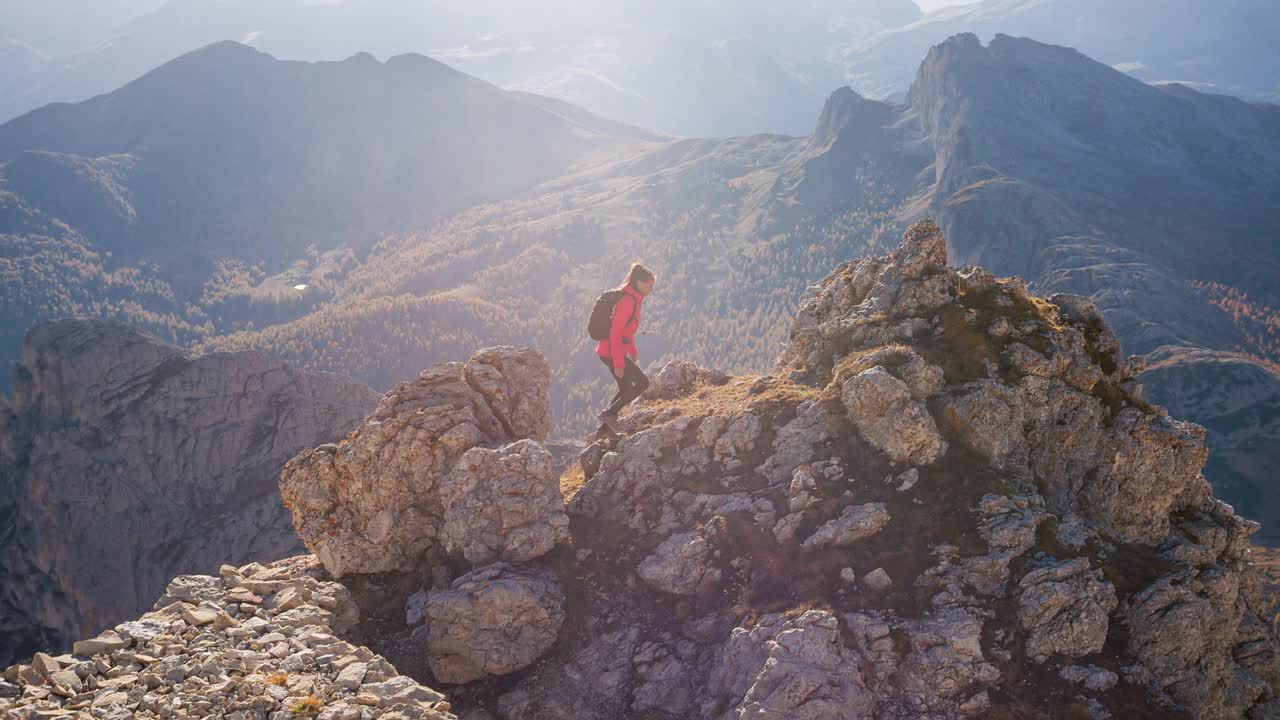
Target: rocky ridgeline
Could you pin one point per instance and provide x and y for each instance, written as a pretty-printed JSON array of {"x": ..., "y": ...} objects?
[
  {"x": 948, "y": 500},
  {"x": 257, "y": 642}
]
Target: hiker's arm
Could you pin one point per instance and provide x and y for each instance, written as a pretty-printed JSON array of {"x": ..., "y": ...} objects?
[{"x": 621, "y": 314}]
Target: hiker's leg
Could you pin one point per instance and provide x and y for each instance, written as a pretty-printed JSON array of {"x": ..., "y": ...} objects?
[
  {"x": 642, "y": 380},
  {"x": 633, "y": 384},
  {"x": 620, "y": 380}
]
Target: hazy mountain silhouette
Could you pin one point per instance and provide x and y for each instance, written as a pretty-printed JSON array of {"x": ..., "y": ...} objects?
[
  {"x": 711, "y": 67},
  {"x": 705, "y": 68},
  {"x": 1222, "y": 47},
  {"x": 226, "y": 127}
]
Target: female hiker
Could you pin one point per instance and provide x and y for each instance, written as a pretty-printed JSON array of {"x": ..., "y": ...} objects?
[{"x": 618, "y": 350}]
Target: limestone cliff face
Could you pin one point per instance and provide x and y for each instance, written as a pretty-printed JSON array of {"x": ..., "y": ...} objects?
[
  {"x": 125, "y": 461},
  {"x": 948, "y": 499}
]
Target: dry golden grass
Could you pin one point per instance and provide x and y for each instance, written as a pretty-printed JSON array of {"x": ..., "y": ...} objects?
[
  {"x": 732, "y": 398},
  {"x": 279, "y": 679},
  {"x": 736, "y": 396},
  {"x": 309, "y": 706},
  {"x": 1047, "y": 312},
  {"x": 888, "y": 356},
  {"x": 571, "y": 481}
]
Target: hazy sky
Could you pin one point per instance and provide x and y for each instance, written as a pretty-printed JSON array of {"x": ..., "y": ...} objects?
[{"x": 931, "y": 5}]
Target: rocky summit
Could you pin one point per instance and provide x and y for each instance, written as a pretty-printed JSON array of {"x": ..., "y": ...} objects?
[{"x": 949, "y": 499}]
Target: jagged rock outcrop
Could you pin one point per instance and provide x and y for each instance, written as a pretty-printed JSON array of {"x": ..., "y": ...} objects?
[
  {"x": 1176, "y": 632},
  {"x": 374, "y": 503},
  {"x": 870, "y": 303},
  {"x": 1064, "y": 608},
  {"x": 751, "y": 549},
  {"x": 788, "y": 667},
  {"x": 680, "y": 565},
  {"x": 946, "y": 671},
  {"x": 969, "y": 477},
  {"x": 125, "y": 461},
  {"x": 257, "y": 642}
]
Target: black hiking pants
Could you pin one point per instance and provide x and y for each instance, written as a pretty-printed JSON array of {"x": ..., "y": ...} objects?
[{"x": 630, "y": 386}]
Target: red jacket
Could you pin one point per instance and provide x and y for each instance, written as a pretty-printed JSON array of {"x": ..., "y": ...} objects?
[{"x": 622, "y": 331}]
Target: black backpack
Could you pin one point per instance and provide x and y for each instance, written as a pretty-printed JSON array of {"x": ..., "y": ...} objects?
[{"x": 602, "y": 314}]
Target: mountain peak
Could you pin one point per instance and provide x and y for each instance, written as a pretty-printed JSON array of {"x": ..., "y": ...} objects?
[
  {"x": 851, "y": 120},
  {"x": 417, "y": 62},
  {"x": 963, "y": 55},
  {"x": 261, "y": 130},
  {"x": 222, "y": 51},
  {"x": 843, "y": 108},
  {"x": 363, "y": 58},
  {"x": 1014, "y": 92}
]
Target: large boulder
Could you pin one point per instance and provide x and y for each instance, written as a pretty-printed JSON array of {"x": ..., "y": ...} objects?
[
  {"x": 493, "y": 621},
  {"x": 503, "y": 504},
  {"x": 515, "y": 382},
  {"x": 887, "y": 416},
  {"x": 678, "y": 377},
  {"x": 372, "y": 503}
]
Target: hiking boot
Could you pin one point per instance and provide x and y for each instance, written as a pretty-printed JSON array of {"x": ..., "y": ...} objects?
[{"x": 610, "y": 421}]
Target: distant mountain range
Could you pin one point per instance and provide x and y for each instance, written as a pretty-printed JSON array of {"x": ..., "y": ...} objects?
[
  {"x": 1220, "y": 47},
  {"x": 703, "y": 67},
  {"x": 1160, "y": 202},
  {"x": 700, "y": 68}
]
